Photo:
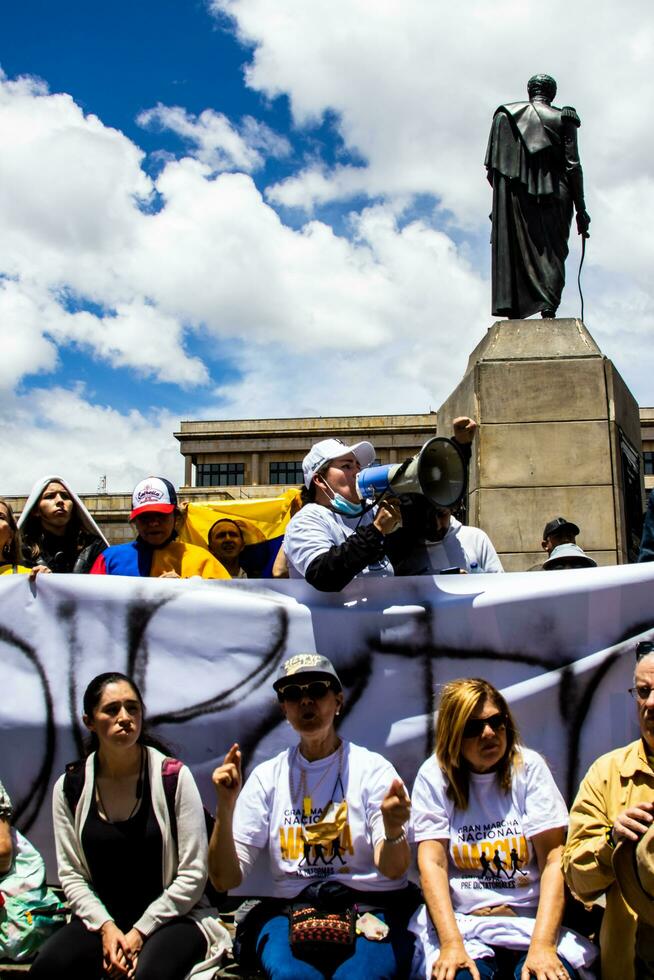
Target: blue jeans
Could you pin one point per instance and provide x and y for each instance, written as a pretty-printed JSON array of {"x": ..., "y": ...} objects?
[
  {"x": 489, "y": 968},
  {"x": 372, "y": 960}
]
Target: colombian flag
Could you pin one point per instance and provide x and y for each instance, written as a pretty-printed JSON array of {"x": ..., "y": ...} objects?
[{"x": 263, "y": 523}]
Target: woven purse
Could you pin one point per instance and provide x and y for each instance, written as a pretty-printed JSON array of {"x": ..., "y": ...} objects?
[{"x": 315, "y": 931}]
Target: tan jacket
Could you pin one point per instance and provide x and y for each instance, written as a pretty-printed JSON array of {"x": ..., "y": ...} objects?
[{"x": 617, "y": 780}]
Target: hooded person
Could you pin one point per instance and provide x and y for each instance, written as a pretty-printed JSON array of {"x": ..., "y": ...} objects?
[
  {"x": 156, "y": 552},
  {"x": 57, "y": 530}
]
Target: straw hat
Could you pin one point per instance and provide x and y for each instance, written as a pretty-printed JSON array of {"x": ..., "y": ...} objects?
[{"x": 633, "y": 863}]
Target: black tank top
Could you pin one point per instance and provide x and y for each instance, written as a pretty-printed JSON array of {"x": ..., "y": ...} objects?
[{"x": 125, "y": 859}]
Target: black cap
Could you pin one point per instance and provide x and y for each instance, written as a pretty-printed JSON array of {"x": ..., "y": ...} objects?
[
  {"x": 558, "y": 524},
  {"x": 643, "y": 649}
]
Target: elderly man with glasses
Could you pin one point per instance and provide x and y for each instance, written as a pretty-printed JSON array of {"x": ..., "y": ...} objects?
[{"x": 615, "y": 803}]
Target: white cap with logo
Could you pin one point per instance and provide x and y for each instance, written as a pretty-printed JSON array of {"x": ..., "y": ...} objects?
[
  {"x": 155, "y": 495},
  {"x": 324, "y": 452}
]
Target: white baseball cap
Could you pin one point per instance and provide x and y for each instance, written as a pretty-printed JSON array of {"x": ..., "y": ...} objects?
[
  {"x": 323, "y": 452},
  {"x": 154, "y": 495}
]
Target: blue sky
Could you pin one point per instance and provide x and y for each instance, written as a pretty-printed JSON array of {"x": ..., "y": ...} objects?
[
  {"x": 237, "y": 208},
  {"x": 117, "y": 60}
]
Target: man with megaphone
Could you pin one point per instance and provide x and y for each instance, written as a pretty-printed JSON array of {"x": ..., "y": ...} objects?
[
  {"x": 351, "y": 510},
  {"x": 432, "y": 540}
]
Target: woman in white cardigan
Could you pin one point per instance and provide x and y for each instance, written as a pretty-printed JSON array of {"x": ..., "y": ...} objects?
[{"x": 133, "y": 877}]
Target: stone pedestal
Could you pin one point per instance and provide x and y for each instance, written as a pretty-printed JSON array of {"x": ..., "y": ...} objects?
[{"x": 557, "y": 427}]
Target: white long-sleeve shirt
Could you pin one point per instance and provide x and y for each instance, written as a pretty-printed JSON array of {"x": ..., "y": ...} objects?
[{"x": 462, "y": 547}]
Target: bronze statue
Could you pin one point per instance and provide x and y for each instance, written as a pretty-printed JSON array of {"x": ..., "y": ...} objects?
[{"x": 533, "y": 165}]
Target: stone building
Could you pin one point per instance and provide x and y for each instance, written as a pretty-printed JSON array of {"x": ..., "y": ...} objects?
[{"x": 255, "y": 457}]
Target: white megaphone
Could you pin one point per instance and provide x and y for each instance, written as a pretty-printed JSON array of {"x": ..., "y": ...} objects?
[{"x": 438, "y": 472}]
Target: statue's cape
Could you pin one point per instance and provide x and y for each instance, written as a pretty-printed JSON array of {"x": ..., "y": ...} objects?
[
  {"x": 535, "y": 135},
  {"x": 517, "y": 138}
]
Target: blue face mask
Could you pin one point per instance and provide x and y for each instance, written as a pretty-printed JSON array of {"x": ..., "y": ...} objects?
[
  {"x": 346, "y": 507},
  {"x": 342, "y": 505}
]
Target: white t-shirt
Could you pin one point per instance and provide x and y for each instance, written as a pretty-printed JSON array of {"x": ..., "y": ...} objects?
[
  {"x": 461, "y": 547},
  {"x": 315, "y": 529},
  {"x": 491, "y": 858},
  {"x": 268, "y": 815}
]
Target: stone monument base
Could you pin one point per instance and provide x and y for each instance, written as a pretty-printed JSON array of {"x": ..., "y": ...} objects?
[{"x": 558, "y": 429}]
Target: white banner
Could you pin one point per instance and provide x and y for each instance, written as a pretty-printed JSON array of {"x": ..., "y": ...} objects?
[{"x": 558, "y": 644}]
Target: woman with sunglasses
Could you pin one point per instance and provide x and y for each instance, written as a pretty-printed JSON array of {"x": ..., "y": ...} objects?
[
  {"x": 490, "y": 825},
  {"x": 331, "y": 816}
]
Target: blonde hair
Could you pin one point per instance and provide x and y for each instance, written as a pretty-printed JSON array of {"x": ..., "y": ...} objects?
[
  {"x": 458, "y": 702},
  {"x": 11, "y": 551}
]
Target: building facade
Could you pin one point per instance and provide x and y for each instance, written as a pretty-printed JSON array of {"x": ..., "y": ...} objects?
[{"x": 258, "y": 457}]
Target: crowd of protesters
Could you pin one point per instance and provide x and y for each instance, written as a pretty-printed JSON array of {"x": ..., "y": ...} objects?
[
  {"x": 484, "y": 831},
  {"x": 334, "y": 536},
  {"x": 339, "y": 829}
]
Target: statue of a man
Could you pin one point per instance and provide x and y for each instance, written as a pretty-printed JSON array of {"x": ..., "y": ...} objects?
[{"x": 532, "y": 163}]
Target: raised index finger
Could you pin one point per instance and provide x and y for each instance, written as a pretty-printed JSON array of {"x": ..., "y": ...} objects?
[
  {"x": 233, "y": 756},
  {"x": 396, "y": 789}
]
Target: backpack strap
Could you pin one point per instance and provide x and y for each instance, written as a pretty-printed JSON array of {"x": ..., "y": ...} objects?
[
  {"x": 74, "y": 777},
  {"x": 170, "y": 776}
]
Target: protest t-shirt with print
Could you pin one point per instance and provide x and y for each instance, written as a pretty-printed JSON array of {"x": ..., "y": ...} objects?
[
  {"x": 491, "y": 857},
  {"x": 286, "y": 797}
]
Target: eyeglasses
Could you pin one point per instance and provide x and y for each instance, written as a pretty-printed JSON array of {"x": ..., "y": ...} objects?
[
  {"x": 295, "y": 692},
  {"x": 641, "y": 692},
  {"x": 475, "y": 727}
]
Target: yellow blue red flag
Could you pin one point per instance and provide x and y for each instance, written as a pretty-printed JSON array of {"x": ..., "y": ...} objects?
[{"x": 262, "y": 521}]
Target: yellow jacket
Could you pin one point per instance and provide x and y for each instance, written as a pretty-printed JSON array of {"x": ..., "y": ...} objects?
[
  {"x": 9, "y": 569},
  {"x": 617, "y": 780}
]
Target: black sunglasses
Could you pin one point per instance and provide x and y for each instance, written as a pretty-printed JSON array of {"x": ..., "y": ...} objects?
[
  {"x": 476, "y": 726},
  {"x": 295, "y": 692}
]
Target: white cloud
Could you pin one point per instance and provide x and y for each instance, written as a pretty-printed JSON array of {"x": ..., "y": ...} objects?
[
  {"x": 215, "y": 141},
  {"x": 23, "y": 347},
  {"x": 216, "y": 256},
  {"x": 56, "y": 430},
  {"x": 411, "y": 88},
  {"x": 135, "y": 335}
]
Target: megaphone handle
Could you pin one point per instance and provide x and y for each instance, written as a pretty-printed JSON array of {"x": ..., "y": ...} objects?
[{"x": 402, "y": 468}]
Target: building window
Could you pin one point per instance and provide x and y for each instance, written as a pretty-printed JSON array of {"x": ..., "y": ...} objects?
[
  {"x": 648, "y": 463},
  {"x": 287, "y": 473},
  {"x": 220, "y": 474}
]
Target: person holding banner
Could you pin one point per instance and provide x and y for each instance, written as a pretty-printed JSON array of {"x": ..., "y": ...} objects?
[
  {"x": 490, "y": 824},
  {"x": 57, "y": 531},
  {"x": 131, "y": 853},
  {"x": 225, "y": 541},
  {"x": 332, "y": 818},
  {"x": 10, "y": 552},
  {"x": 156, "y": 552}
]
